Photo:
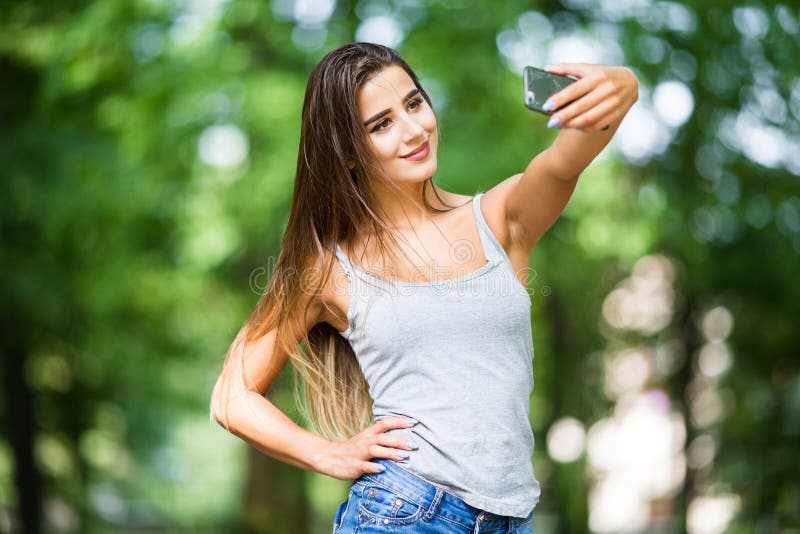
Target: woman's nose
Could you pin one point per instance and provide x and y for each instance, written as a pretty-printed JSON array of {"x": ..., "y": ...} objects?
[{"x": 412, "y": 129}]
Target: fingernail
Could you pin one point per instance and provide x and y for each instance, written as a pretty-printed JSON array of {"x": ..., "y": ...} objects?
[
  {"x": 554, "y": 122},
  {"x": 549, "y": 105},
  {"x": 381, "y": 468},
  {"x": 412, "y": 421},
  {"x": 412, "y": 445},
  {"x": 402, "y": 454}
]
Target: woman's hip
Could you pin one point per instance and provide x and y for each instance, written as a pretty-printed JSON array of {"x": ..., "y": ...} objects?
[{"x": 408, "y": 503}]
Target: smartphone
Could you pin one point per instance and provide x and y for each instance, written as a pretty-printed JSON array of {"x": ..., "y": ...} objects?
[{"x": 539, "y": 85}]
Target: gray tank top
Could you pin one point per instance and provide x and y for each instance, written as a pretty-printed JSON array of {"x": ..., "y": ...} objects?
[{"x": 457, "y": 355}]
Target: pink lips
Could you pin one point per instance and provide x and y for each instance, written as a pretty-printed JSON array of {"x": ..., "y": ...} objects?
[{"x": 420, "y": 153}]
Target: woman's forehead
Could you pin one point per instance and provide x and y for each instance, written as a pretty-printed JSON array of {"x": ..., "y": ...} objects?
[{"x": 383, "y": 90}]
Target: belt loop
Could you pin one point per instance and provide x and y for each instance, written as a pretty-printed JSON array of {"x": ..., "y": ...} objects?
[
  {"x": 431, "y": 511},
  {"x": 479, "y": 522}
]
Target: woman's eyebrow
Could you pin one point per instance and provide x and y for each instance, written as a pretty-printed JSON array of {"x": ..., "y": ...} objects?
[{"x": 385, "y": 111}]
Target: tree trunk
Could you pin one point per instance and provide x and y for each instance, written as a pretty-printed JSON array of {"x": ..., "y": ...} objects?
[
  {"x": 275, "y": 499},
  {"x": 21, "y": 430}
]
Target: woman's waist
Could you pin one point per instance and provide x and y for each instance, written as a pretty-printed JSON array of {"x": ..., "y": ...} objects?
[{"x": 469, "y": 446}]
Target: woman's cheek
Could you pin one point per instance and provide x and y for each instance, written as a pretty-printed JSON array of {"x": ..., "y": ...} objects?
[
  {"x": 379, "y": 146},
  {"x": 389, "y": 147}
]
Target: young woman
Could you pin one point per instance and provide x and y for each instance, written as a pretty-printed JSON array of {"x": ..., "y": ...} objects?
[{"x": 405, "y": 307}]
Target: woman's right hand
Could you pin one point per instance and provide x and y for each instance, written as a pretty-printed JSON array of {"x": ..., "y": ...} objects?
[{"x": 348, "y": 460}]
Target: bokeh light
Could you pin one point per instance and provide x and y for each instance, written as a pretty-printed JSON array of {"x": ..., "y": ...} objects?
[
  {"x": 223, "y": 146},
  {"x": 644, "y": 301},
  {"x": 566, "y": 439}
]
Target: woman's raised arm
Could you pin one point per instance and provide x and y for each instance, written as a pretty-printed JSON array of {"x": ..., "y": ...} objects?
[{"x": 589, "y": 111}]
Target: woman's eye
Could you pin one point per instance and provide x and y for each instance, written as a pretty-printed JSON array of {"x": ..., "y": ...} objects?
[
  {"x": 381, "y": 125},
  {"x": 412, "y": 105}
]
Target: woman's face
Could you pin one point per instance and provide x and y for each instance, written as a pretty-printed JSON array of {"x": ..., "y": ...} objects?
[{"x": 399, "y": 121}]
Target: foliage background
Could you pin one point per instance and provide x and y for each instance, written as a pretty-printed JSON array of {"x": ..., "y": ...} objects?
[{"x": 147, "y": 151}]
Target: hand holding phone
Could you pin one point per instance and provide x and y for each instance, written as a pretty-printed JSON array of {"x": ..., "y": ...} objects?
[
  {"x": 539, "y": 85},
  {"x": 602, "y": 96}
]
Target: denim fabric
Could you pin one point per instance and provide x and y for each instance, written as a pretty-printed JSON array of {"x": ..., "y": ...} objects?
[{"x": 402, "y": 502}]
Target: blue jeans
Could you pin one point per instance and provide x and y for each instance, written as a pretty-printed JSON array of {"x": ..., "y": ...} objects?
[{"x": 400, "y": 501}]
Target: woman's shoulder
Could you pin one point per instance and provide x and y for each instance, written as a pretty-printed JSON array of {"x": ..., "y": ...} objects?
[{"x": 493, "y": 208}]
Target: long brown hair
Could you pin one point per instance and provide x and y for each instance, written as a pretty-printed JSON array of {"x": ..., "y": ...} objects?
[{"x": 333, "y": 202}]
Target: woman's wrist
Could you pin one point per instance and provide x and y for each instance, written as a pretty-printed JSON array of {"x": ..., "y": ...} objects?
[{"x": 322, "y": 453}]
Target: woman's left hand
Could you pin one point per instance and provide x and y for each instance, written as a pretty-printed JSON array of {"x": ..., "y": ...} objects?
[{"x": 601, "y": 97}]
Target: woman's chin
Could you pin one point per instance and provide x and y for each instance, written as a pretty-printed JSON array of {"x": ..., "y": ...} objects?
[{"x": 422, "y": 171}]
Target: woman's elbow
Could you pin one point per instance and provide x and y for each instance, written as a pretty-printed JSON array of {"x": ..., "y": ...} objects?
[{"x": 218, "y": 408}]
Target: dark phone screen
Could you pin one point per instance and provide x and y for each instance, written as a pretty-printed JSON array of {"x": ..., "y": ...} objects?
[{"x": 541, "y": 85}]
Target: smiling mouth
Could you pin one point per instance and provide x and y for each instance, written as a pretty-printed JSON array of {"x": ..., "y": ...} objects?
[{"x": 416, "y": 151}]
